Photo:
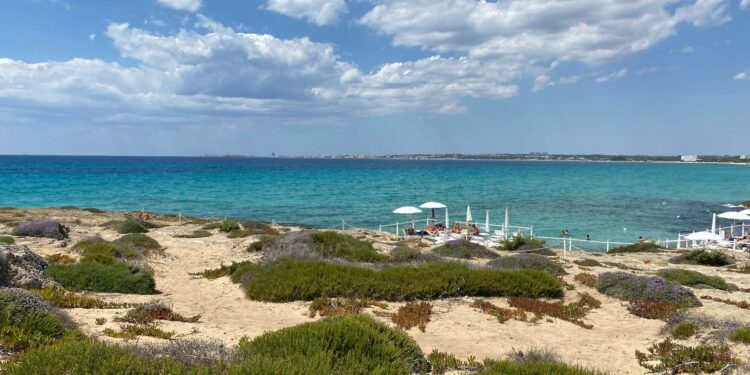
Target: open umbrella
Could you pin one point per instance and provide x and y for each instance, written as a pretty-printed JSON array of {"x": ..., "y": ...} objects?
[
  {"x": 745, "y": 212},
  {"x": 432, "y": 206},
  {"x": 406, "y": 210},
  {"x": 703, "y": 236},
  {"x": 734, "y": 215}
]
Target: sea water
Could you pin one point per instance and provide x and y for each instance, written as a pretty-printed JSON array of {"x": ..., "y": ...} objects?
[{"x": 608, "y": 201}]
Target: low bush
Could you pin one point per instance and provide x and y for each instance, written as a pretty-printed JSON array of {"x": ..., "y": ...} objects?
[
  {"x": 703, "y": 258},
  {"x": 527, "y": 262},
  {"x": 132, "y": 225},
  {"x": 627, "y": 286},
  {"x": 464, "y": 249},
  {"x": 42, "y": 228},
  {"x": 521, "y": 243},
  {"x": 545, "y": 354},
  {"x": 669, "y": 357},
  {"x": 694, "y": 279},
  {"x": 621, "y": 266},
  {"x": 150, "y": 312},
  {"x": 138, "y": 243},
  {"x": 442, "y": 362},
  {"x": 132, "y": 331},
  {"x": 412, "y": 314},
  {"x": 95, "y": 277},
  {"x": 588, "y": 263},
  {"x": 257, "y": 227},
  {"x": 27, "y": 321},
  {"x": 240, "y": 233},
  {"x": 227, "y": 226},
  {"x": 641, "y": 247},
  {"x": 222, "y": 271},
  {"x": 102, "y": 252},
  {"x": 195, "y": 234},
  {"x": 334, "y": 245},
  {"x": 404, "y": 254},
  {"x": 7, "y": 240},
  {"x": 62, "y": 298},
  {"x": 340, "y": 345},
  {"x": 329, "y": 307},
  {"x": 586, "y": 279},
  {"x": 651, "y": 309},
  {"x": 572, "y": 312},
  {"x": 294, "y": 279},
  {"x": 533, "y": 368},
  {"x": 263, "y": 242},
  {"x": 684, "y": 330},
  {"x": 60, "y": 258},
  {"x": 741, "y": 335}
]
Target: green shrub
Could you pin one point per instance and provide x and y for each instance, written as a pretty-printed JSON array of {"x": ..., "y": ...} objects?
[
  {"x": 195, "y": 234},
  {"x": 227, "y": 226},
  {"x": 693, "y": 278},
  {"x": 521, "y": 243},
  {"x": 533, "y": 368},
  {"x": 26, "y": 321},
  {"x": 334, "y": 245},
  {"x": 263, "y": 242},
  {"x": 464, "y": 249},
  {"x": 666, "y": 356},
  {"x": 138, "y": 243},
  {"x": 95, "y": 277},
  {"x": 629, "y": 287},
  {"x": 294, "y": 279},
  {"x": 684, "y": 330},
  {"x": 132, "y": 225},
  {"x": 404, "y": 254},
  {"x": 7, "y": 240},
  {"x": 221, "y": 271},
  {"x": 94, "y": 210},
  {"x": 703, "y": 257},
  {"x": 527, "y": 262},
  {"x": 240, "y": 233},
  {"x": 741, "y": 335},
  {"x": 588, "y": 263},
  {"x": 339, "y": 345},
  {"x": 641, "y": 247},
  {"x": 100, "y": 251}
]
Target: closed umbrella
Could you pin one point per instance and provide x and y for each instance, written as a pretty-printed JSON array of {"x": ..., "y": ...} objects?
[
  {"x": 469, "y": 219},
  {"x": 713, "y": 223},
  {"x": 507, "y": 223},
  {"x": 487, "y": 222}
]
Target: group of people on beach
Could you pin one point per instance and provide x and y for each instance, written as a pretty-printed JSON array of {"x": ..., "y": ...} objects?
[{"x": 434, "y": 228}]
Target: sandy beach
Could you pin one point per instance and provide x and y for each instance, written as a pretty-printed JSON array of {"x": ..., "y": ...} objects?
[{"x": 455, "y": 327}]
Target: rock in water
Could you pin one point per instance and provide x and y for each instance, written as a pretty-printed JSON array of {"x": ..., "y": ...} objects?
[
  {"x": 22, "y": 268},
  {"x": 42, "y": 228}
]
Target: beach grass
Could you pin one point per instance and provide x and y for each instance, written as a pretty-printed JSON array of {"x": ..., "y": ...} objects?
[
  {"x": 7, "y": 240},
  {"x": 641, "y": 247},
  {"x": 521, "y": 243},
  {"x": 703, "y": 257},
  {"x": 527, "y": 262},
  {"x": 695, "y": 279},
  {"x": 335, "y": 245},
  {"x": 26, "y": 321},
  {"x": 464, "y": 249},
  {"x": 293, "y": 279},
  {"x": 96, "y": 277}
]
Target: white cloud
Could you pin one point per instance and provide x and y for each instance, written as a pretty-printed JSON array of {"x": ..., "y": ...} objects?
[
  {"x": 569, "y": 79},
  {"x": 742, "y": 76},
  {"x": 92, "y": 36},
  {"x": 319, "y": 12},
  {"x": 744, "y": 4},
  {"x": 541, "y": 82},
  {"x": 688, "y": 49},
  {"x": 591, "y": 31},
  {"x": 614, "y": 75},
  {"x": 186, "y": 5}
]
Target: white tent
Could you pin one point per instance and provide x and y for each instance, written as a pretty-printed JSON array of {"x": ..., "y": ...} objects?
[{"x": 703, "y": 236}]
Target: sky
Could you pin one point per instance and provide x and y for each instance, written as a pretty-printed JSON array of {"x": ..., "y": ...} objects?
[{"x": 321, "y": 77}]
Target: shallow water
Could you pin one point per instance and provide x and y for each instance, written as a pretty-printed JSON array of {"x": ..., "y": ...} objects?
[{"x": 600, "y": 199}]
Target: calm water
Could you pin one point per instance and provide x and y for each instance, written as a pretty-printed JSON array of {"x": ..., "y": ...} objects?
[{"x": 600, "y": 199}]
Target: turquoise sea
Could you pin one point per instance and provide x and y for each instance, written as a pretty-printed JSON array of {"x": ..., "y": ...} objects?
[{"x": 599, "y": 199}]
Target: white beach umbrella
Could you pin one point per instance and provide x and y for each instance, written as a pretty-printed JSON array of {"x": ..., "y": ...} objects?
[
  {"x": 703, "y": 236},
  {"x": 407, "y": 210},
  {"x": 432, "y": 206},
  {"x": 745, "y": 212},
  {"x": 734, "y": 215},
  {"x": 469, "y": 219}
]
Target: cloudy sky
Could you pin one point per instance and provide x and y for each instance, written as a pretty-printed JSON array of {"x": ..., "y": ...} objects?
[{"x": 186, "y": 77}]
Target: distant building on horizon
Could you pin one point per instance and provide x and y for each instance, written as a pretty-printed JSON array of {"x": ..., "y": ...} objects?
[
  {"x": 743, "y": 157},
  {"x": 689, "y": 158}
]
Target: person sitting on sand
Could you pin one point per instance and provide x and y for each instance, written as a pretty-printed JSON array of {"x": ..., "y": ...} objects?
[
  {"x": 475, "y": 230},
  {"x": 457, "y": 228},
  {"x": 431, "y": 230},
  {"x": 143, "y": 215}
]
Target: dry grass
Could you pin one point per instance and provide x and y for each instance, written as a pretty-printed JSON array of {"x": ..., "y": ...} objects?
[
  {"x": 651, "y": 309},
  {"x": 60, "y": 258},
  {"x": 69, "y": 300},
  {"x": 131, "y": 331},
  {"x": 586, "y": 279},
  {"x": 149, "y": 313},
  {"x": 330, "y": 307},
  {"x": 740, "y": 304},
  {"x": 572, "y": 312},
  {"x": 502, "y": 314}
]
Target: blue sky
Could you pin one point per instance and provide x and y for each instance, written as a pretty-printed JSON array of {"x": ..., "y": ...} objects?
[{"x": 186, "y": 77}]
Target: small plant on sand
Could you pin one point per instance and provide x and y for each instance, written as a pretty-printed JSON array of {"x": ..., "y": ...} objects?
[
  {"x": 60, "y": 258},
  {"x": 672, "y": 358},
  {"x": 684, "y": 330},
  {"x": 240, "y": 233},
  {"x": 148, "y": 313},
  {"x": 222, "y": 271},
  {"x": 138, "y": 243},
  {"x": 412, "y": 314},
  {"x": 740, "y": 304},
  {"x": 62, "y": 298},
  {"x": 335, "y": 245},
  {"x": 703, "y": 257},
  {"x": 227, "y": 226},
  {"x": 131, "y": 225},
  {"x": 521, "y": 243},
  {"x": 100, "y": 321},
  {"x": 195, "y": 234},
  {"x": 621, "y": 266},
  {"x": 567, "y": 285},
  {"x": 328, "y": 307},
  {"x": 7, "y": 240},
  {"x": 544, "y": 354},
  {"x": 588, "y": 263},
  {"x": 502, "y": 314},
  {"x": 131, "y": 331},
  {"x": 695, "y": 279},
  {"x": 464, "y": 249},
  {"x": 527, "y": 261},
  {"x": 442, "y": 362},
  {"x": 741, "y": 335},
  {"x": 641, "y": 247},
  {"x": 586, "y": 279},
  {"x": 572, "y": 312},
  {"x": 627, "y": 286},
  {"x": 651, "y": 309},
  {"x": 405, "y": 254}
]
